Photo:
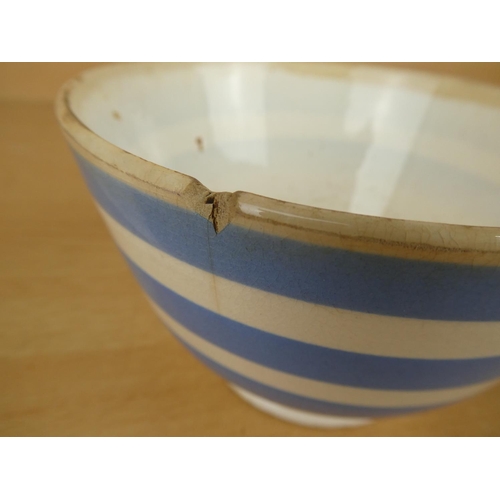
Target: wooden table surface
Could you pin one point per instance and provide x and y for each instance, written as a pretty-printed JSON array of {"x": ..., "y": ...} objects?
[{"x": 81, "y": 352}]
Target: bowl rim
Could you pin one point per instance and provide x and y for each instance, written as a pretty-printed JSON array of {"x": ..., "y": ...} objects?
[{"x": 436, "y": 241}]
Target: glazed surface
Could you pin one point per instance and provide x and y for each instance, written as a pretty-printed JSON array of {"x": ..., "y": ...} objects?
[{"x": 360, "y": 140}]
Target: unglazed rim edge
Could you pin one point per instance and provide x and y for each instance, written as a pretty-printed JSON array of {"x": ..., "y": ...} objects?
[{"x": 357, "y": 232}]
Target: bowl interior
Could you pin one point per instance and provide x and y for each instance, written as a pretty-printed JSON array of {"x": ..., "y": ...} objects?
[{"x": 354, "y": 139}]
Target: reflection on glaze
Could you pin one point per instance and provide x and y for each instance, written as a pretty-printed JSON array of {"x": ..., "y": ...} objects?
[
  {"x": 256, "y": 211},
  {"x": 380, "y": 108},
  {"x": 233, "y": 96}
]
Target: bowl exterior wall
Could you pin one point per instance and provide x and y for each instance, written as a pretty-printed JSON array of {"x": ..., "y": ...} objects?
[{"x": 314, "y": 327}]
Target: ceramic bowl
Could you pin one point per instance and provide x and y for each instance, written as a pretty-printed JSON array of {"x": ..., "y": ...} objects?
[{"x": 326, "y": 238}]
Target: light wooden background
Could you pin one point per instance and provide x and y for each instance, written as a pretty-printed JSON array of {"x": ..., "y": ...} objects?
[{"x": 81, "y": 353}]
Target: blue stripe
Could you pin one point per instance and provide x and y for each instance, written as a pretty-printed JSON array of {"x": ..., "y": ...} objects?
[
  {"x": 300, "y": 402},
  {"x": 316, "y": 362},
  {"x": 321, "y": 275}
]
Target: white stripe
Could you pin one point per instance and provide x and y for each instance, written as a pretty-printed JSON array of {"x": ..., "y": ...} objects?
[
  {"x": 311, "y": 323},
  {"x": 323, "y": 391}
]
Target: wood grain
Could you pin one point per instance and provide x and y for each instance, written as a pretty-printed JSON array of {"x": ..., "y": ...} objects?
[{"x": 81, "y": 353}]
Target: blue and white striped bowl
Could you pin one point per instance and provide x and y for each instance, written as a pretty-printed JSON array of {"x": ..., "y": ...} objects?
[{"x": 377, "y": 295}]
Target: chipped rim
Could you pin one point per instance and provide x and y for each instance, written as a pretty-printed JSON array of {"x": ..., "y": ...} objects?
[{"x": 366, "y": 233}]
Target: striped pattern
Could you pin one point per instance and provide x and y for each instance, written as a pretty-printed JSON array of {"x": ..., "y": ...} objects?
[
  {"x": 380, "y": 401},
  {"x": 311, "y": 327},
  {"x": 330, "y": 365},
  {"x": 327, "y": 327}
]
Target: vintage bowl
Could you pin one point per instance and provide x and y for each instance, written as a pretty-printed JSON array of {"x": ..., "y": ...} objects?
[{"x": 324, "y": 237}]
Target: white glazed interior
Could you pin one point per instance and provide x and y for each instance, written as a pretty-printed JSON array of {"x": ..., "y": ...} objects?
[{"x": 362, "y": 142}]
